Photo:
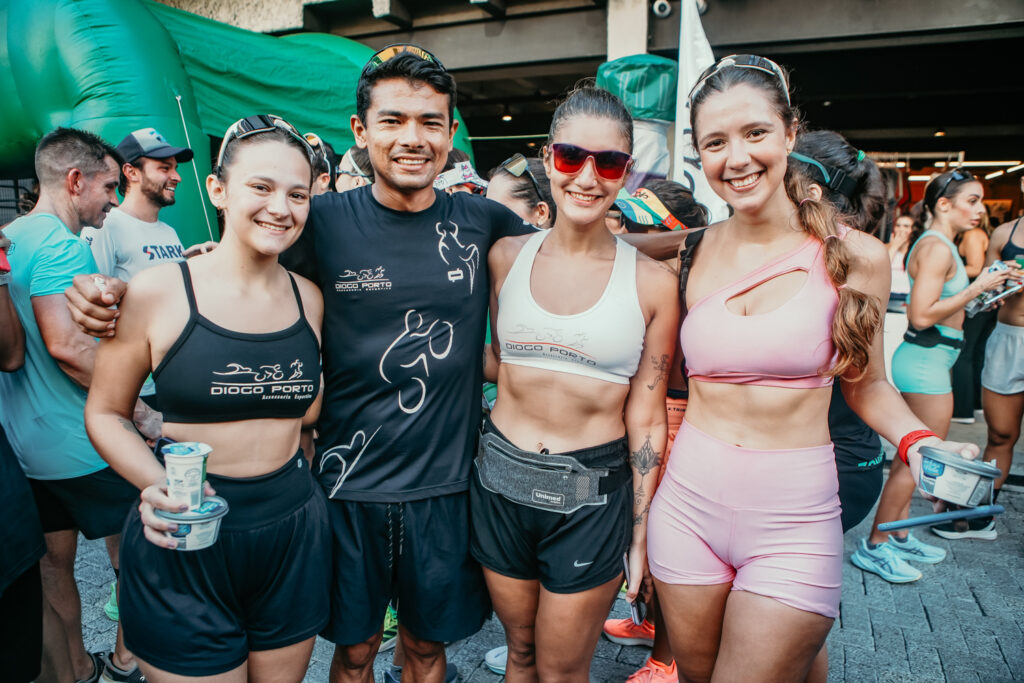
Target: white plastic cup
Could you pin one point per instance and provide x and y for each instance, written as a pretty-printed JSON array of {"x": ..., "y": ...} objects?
[{"x": 185, "y": 464}]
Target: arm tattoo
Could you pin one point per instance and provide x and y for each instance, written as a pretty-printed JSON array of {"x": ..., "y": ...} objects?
[
  {"x": 645, "y": 458},
  {"x": 639, "y": 514},
  {"x": 661, "y": 365}
]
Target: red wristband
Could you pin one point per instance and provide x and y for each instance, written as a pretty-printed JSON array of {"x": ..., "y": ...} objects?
[{"x": 910, "y": 439}]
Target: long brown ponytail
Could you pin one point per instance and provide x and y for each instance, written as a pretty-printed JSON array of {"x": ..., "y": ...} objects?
[{"x": 858, "y": 316}]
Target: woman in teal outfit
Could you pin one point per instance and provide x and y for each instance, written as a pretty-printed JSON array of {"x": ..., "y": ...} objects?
[{"x": 939, "y": 290}]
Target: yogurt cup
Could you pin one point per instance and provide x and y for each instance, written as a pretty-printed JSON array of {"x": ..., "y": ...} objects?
[
  {"x": 185, "y": 464},
  {"x": 197, "y": 529},
  {"x": 954, "y": 479}
]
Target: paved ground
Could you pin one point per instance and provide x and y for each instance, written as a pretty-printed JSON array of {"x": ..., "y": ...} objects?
[{"x": 964, "y": 621}]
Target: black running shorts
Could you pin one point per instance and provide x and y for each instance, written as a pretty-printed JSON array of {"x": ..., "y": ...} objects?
[
  {"x": 261, "y": 586},
  {"x": 858, "y": 491},
  {"x": 97, "y": 503},
  {"x": 567, "y": 553},
  {"x": 414, "y": 552}
]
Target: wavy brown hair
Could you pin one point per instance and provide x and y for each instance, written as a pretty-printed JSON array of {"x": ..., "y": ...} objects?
[{"x": 859, "y": 316}]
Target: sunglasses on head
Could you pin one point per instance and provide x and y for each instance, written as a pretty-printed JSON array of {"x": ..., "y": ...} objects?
[
  {"x": 260, "y": 123},
  {"x": 609, "y": 164},
  {"x": 319, "y": 148},
  {"x": 392, "y": 51},
  {"x": 743, "y": 62},
  {"x": 517, "y": 165},
  {"x": 958, "y": 175}
]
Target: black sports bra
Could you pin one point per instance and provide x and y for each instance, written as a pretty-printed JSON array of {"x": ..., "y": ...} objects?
[
  {"x": 1010, "y": 250},
  {"x": 212, "y": 374}
]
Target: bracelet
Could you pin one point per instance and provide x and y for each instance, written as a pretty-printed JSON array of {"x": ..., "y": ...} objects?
[
  {"x": 909, "y": 440},
  {"x": 5, "y": 277}
]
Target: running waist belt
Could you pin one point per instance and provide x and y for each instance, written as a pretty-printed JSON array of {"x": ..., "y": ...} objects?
[
  {"x": 929, "y": 337},
  {"x": 545, "y": 481}
]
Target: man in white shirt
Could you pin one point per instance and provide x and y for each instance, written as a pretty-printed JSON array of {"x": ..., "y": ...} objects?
[{"x": 132, "y": 237}]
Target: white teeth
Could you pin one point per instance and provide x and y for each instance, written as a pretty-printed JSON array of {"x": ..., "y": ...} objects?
[
  {"x": 271, "y": 226},
  {"x": 411, "y": 162},
  {"x": 578, "y": 196},
  {"x": 745, "y": 180}
]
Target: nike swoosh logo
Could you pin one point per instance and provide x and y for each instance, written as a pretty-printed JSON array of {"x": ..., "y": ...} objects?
[{"x": 577, "y": 563}]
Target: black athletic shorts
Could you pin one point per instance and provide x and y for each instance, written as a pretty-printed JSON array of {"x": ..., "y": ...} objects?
[
  {"x": 859, "y": 489},
  {"x": 21, "y": 627},
  {"x": 97, "y": 503},
  {"x": 567, "y": 553},
  {"x": 414, "y": 552},
  {"x": 261, "y": 586}
]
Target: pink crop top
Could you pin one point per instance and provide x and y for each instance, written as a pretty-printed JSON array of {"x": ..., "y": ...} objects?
[{"x": 785, "y": 347}]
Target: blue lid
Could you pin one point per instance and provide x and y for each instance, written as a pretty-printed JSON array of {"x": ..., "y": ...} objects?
[
  {"x": 956, "y": 461},
  {"x": 213, "y": 507},
  {"x": 186, "y": 448}
]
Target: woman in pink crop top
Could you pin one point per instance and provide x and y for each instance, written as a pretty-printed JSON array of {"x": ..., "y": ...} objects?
[
  {"x": 584, "y": 327},
  {"x": 744, "y": 540}
]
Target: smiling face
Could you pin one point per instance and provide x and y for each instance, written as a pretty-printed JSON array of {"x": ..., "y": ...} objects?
[
  {"x": 584, "y": 198},
  {"x": 407, "y": 133},
  {"x": 964, "y": 209},
  {"x": 96, "y": 194},
  {"x": 265, "y": 195},
  {"x": 158, "y": 179},
  {"x": 743, "y": 144}
]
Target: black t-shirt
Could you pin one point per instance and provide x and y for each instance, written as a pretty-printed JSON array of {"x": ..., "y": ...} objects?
[
  {"x": 857, "y": 446},
  {"x": 21, "y": 538},
  {"x": 405, "y": 307}
]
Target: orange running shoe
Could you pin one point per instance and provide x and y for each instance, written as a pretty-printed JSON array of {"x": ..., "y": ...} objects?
[
  {"x": 655, "y": 672},
  {"x": 625, "y": 632}
]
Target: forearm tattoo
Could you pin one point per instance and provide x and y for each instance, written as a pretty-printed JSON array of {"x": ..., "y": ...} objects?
[
  {"x": 640, "y": 507},
  {"x": 661, "y": 366},
  {"x": 645, "y": 459}
]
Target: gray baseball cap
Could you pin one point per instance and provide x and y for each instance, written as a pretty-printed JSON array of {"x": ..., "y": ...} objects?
[{"x": 147, "y": 142}]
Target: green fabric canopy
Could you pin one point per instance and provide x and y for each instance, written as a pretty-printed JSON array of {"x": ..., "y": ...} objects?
[{"x": 113, "y": 66}]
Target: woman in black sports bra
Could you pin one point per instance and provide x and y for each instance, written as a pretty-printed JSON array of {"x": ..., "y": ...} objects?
[{"x": 232, "y": 340}]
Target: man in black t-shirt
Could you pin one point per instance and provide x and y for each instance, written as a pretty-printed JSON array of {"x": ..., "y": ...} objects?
[{"x": 403, "y": 269}]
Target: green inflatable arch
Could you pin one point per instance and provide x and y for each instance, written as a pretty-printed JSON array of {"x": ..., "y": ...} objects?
[{"x": 112, "y": 66}]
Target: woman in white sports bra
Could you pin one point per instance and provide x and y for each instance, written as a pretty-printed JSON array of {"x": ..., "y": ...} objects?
[{"x": 584, "y": 328}]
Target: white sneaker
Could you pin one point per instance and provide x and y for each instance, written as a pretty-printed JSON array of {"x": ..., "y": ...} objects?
[
  {"x": 496, "y": 659},
  {"x": 963, "y": 420}
]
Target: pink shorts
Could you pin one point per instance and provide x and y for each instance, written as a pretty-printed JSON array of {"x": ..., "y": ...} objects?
[{"x": 767, "y": 521}]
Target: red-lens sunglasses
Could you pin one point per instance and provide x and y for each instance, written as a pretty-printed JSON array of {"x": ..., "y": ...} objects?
[{"x": 609, "y": 164}]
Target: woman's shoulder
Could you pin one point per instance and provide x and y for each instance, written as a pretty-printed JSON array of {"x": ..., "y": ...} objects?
[
  {"x": 656, "y": 282},
  {"x": 157, "y": 282},
  {"x": 866, "y": 246},
  {"x": 505, "y": 250},
  {"x": 312, "y": 296}
]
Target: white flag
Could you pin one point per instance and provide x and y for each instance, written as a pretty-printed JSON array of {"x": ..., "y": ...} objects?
[{"x": 694, "y": 57}]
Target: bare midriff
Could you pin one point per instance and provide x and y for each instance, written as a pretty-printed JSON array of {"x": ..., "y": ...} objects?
[
  {"x": 556, "y": 410},
  {"x": 760, "y": 417}
]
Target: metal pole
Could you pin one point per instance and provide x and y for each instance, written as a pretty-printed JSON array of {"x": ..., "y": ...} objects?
[{"x": 209, "y": 228}]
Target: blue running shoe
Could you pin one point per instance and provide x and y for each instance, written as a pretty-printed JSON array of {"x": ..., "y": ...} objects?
[
  {"x": 915, "y": 550},
  {"x": 884, "y": 561}
]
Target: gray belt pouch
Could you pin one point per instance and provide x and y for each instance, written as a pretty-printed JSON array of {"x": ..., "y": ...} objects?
[{"x": 545, "y": 481}]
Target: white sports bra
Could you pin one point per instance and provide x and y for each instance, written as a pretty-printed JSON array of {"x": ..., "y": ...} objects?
[{"x": 603, "y": 342}]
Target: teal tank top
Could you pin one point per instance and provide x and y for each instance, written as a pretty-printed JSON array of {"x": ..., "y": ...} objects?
[{"x": 960, "y": 280}]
